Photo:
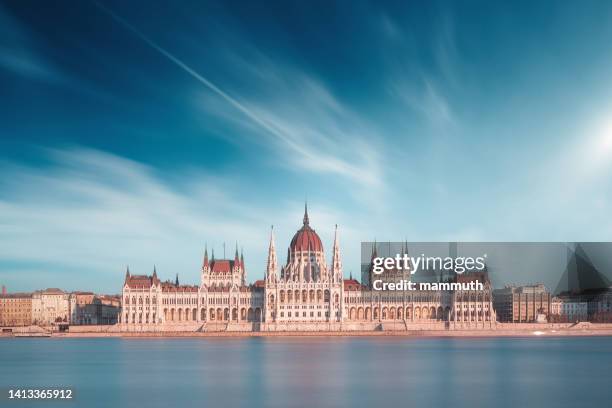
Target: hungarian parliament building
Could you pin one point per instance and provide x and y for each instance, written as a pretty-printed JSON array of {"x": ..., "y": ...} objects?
[{"x": 306, "y": 294}]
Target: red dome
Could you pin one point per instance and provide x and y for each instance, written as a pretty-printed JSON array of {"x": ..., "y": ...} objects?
[{"x": 306, "y": 239}]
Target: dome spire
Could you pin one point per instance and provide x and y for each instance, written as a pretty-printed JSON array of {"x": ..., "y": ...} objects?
[{"x": 306, "y": 220}]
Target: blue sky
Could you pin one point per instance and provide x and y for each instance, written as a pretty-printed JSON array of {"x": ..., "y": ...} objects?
[{"x": 133, "y": 134}]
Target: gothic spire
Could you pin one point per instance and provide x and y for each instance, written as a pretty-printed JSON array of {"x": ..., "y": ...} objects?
[
  {"x": 176, "y": 282},
  {"x": 336, "y": 261},
  {"x": 127, "y": 273},
  {"x": 272, "y": 263},
  {"x": 205, "y": 263},
  {"x": 154, "y": 272},
  {"x": 306, "y": 220}
]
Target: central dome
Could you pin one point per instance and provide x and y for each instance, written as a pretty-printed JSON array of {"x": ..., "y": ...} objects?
[{"x": 306, "y": 239}]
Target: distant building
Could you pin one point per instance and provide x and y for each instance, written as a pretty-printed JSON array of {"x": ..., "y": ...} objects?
[
  {"x": 473, "y": 305},
  {"x": 594, "y": 305},
  {"x": 601, "y": 307},
  {"x": 50, "y": 306},
  {"x": 556, "y": 308},
  {"x": 87, "y": 308},
  {"x": 576, "y": 311},
  {"x": 522, "y": 304},
  {"x": 15, "y": 309}
]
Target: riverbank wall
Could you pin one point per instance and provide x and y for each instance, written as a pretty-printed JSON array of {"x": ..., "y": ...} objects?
[{"x": 441, "y": 329}]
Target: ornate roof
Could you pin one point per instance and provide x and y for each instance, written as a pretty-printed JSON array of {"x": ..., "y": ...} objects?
[
  {"x": 352, "y": 284},
  {"x": 139, "y": 281},
  {"x": 223, "y": 265},
  {"x": 306, "y": 239},
  {"x": 171, "y": 287}
]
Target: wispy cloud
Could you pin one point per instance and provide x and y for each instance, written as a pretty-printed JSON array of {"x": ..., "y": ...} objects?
[
  {"x": 90, "y": 213},
  {"x": 427, "y": 100},
  {"x": 425, "y": 87},
  {"x": 311, "y": 136},
  {"x": 320, "y": 134},
  {"x": 18, "y": 53}
]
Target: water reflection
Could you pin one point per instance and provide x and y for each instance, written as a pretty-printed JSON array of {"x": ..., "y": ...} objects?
[{"x": 322, "y": 372}]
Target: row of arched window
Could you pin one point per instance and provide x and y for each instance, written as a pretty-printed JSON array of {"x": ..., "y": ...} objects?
[
  {"x": 140, "y": 318},
  {"x": 140, "y": 300},
  {"x": 213, "y": 314},
  {"x": 304, "y": 295},
  {"x": 398, "y": 313}
]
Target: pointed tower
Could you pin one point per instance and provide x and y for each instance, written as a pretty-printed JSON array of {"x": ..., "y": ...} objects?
[
  {"x": 237, "y": 268},
  {"x": 154, "y": 274},
  {"x": 176, "y": 282},
  {"x": 204, "y": 273},
  {"x": 272, "y": 262},
  {"x": 336, "y": 261},
  {"x": 205, "y": 264},
  {"x": 127, "y": 274},
  {"x": 243, "y": 267},
  {"x": 367, "y": 274},
  {"x": 306, "y": 220}
]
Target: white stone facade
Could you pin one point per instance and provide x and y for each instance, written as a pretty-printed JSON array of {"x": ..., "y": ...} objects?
[
  {"x": 50, "y": 306},
  {"x": 305, "y": 294}
]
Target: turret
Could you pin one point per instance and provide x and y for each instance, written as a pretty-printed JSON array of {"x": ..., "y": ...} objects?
[
  {"x": 336, "y": 261},
  {"x": 127, "y": 274},
  {"x": 272, "y": 262},
  {"x": 243, "y": 267},
  {"x": 205, "y": 263}
]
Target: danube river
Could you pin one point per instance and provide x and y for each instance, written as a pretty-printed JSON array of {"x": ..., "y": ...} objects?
[{"x": 317, "y": 372}]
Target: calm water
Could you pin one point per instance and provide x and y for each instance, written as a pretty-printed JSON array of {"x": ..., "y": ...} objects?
[{"x": 325, "y": 372}]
